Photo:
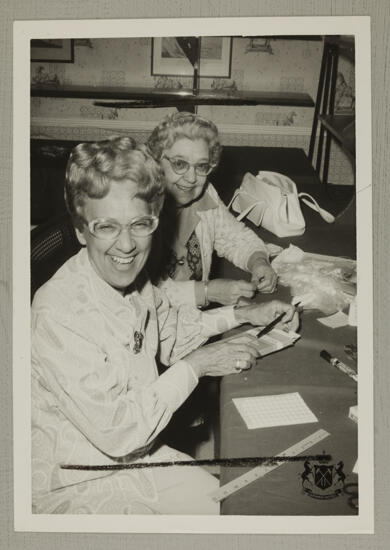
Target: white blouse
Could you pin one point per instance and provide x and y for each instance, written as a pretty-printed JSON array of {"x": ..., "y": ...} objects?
[{"x": 97, "y": 397}]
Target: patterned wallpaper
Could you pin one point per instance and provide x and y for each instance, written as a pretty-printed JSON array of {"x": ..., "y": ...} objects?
[{"x": 277, "y": 65}]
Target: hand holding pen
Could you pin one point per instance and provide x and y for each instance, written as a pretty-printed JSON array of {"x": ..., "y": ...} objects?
[
  {"x": 274, "y": 312},
  {"x": 278, "y": 319}
]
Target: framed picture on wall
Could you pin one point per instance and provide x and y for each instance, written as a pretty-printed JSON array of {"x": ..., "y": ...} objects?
[
  {"x": 168, "y": 57},
  {"x": 53, "y": 50}
]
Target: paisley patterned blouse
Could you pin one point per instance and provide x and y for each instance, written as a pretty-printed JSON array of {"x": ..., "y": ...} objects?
[
  {"x": 97, "y": 397},
  {"x": 216, "y": 229}
]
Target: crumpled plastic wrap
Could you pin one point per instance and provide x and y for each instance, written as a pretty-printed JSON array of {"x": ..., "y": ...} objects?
[{"x": 318, "y": 282}]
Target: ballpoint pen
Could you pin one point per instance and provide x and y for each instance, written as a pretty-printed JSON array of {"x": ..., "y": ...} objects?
[{"x": 273, "y": 323}]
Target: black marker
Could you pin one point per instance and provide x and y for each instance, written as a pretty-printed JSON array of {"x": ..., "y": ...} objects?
[{"x": 339, "y": 364}]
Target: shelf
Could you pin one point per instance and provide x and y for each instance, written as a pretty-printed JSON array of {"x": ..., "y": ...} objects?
[
  {"x": 342, "y": 128},
  {"x": 121, "y": 97}
]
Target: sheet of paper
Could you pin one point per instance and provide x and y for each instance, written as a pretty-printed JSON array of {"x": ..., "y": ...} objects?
[
  {"x": 274, "y": 410},
  {"x": 353, "y": 413},
  {"x": 336, "y": 320},
  {"x": 274, "y": 340}
]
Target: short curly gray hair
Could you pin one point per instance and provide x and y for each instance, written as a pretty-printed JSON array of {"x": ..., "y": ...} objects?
[
  {"x": 92, "y": 167},
  {"x": 183, "y": 124}
]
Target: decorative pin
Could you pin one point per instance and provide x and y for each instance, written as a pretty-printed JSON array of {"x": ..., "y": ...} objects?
[{"x": 138, "y": 340}]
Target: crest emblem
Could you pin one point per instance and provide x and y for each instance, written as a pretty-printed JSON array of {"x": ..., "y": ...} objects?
[
  {"x": 323, "y": 476},
  {"x": 321, "y": 480}
]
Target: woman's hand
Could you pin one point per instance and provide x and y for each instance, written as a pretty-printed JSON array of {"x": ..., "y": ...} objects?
[
  {"x": 263, "y": 314},
  {"x": 227, "y": 292},
  {"x": 226, "y": 357},
  {"x": 264, "y": 276}
]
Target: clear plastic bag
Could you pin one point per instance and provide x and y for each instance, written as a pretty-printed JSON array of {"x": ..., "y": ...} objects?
[{"x": 326, "y": 283}]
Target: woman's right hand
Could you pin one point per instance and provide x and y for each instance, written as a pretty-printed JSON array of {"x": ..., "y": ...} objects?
[
  {"x": 264, "y": 313},
  {"x": 228, "y": 292},
  {"x": 226, "y": 357}
]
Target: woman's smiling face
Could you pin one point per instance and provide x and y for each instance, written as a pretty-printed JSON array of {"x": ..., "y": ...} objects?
[
  {"x": 117, "y": 261},
  {"x": 185, "y": 188}
]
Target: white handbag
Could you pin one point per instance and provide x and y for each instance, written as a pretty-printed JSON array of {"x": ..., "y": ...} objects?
[{"x": 272, "y": 201}]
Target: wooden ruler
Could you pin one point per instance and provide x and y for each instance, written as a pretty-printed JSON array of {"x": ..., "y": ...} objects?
[{"x": 260, "y": 471}]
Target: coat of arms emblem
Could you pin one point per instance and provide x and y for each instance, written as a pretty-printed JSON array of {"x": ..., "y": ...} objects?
[{"x": 321, "y": 480}]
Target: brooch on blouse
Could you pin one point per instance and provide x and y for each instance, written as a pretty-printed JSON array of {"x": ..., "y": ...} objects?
[{"x": 138, "y": 340}]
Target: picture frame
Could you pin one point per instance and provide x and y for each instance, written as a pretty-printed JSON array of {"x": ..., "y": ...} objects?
[
  {"x": 168, "y": 59},
  {"x": 52, "y": 50}
]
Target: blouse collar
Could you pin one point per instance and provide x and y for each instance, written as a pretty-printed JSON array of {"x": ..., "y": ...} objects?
[{"x": 189, "y": 216}]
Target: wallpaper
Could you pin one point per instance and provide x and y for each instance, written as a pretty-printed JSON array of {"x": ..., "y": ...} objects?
[{"x": 263, "y": 64}]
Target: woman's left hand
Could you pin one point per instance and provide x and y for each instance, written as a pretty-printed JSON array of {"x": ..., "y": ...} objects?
[{"x": 264, "y": 276}]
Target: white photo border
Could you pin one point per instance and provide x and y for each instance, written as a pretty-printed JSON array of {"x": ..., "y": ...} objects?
[{"x": 359, "y": 26}]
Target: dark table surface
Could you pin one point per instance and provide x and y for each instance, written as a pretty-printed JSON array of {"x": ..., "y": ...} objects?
[{"x": 327, "y": 392}]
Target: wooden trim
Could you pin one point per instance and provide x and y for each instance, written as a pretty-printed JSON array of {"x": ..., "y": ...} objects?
[{"x": 147, "y": 126}]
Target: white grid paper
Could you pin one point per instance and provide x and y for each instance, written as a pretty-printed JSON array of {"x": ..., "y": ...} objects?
[{"x": 274, "y": 410}]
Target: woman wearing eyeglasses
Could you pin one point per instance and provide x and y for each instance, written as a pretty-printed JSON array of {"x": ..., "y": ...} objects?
[
  {"x": 188, "y": 148},
  {"x": 98, "y": 326}
]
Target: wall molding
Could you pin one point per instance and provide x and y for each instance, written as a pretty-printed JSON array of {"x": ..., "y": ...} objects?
[{"x": 147, "y": 126}]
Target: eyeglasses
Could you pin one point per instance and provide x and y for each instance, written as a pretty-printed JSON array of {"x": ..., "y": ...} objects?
[
  {"x": 106, "y": 228},
  {"x": 180, "y": 166}
]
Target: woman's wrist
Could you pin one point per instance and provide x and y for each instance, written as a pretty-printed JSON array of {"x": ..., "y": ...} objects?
[
  {"x": 241, "y": 314},
  {"x": 212, "y": 291},
  {"x": 202, "y": 293},
  {"x": 196, "y": 365},
  {"x": 257, "y": 258},
  {"x": 206, "y": 293},
  {"x": 202, "y": 298}
]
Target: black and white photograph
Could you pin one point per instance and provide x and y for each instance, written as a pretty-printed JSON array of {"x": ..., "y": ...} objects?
[{"x": 194, "y": 303}]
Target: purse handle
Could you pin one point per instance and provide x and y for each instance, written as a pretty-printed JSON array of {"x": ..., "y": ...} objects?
[
  {"x": 235, "y": 195},
  {"x": 325, "y": 215},
  {"x": 245, "y": 212},
  {"x": 305, "y": 197}
]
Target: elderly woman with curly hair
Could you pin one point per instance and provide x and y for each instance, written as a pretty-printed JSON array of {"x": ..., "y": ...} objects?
[
  {"x": 188, "y": 149},
  {"x": 98, "y": 326}
]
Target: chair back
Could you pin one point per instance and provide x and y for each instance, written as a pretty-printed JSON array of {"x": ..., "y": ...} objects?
[{"x": 52, "y": 244}]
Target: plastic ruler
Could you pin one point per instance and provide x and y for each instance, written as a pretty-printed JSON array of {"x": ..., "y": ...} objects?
[{"x": 260, "y": 471}]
